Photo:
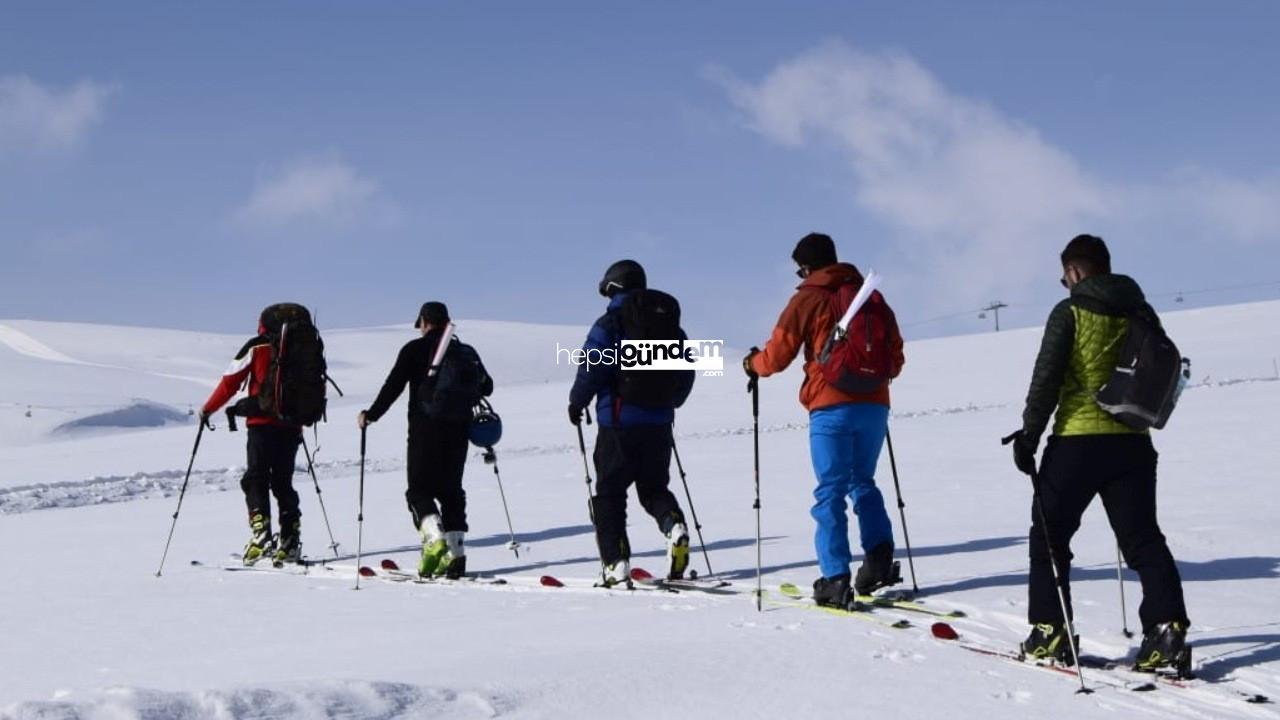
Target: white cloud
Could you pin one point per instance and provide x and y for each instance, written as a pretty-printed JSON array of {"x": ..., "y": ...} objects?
[
  {"x": 33, "y": 117},
  {"x": 1242, "y": 210},
  {"x": 967, "y": 192},
  {"x": 321, "y": 188},
  {"x": 976, "y": 204}
]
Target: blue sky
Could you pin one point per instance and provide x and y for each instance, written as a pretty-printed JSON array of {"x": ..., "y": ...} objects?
[{"x": 164, "y": 163}]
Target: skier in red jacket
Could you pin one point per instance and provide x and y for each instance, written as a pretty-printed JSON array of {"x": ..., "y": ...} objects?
[{"x": 272, "y": 446}]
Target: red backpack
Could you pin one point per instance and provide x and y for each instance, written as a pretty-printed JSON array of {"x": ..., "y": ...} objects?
[{"x": 862, "y": 360}]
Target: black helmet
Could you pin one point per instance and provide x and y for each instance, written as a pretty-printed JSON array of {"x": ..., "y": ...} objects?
[{"x": 622, "y": 275}]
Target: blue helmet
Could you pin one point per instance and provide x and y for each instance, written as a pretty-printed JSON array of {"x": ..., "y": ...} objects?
[{"x": 486, "y": 426}]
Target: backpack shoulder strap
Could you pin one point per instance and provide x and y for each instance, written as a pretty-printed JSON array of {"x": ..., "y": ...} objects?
[{"x": 252, "y": 343}]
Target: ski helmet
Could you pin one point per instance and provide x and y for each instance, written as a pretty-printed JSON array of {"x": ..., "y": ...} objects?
[
  {"x": 622, "y": 275},
  {"x": 486, "y": 426}
]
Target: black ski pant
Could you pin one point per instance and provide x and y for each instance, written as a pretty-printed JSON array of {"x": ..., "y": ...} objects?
[
  {"x": 641, "y": 456},
  {"x": 271, "y": 452},
  {"x": 437, "y": 457},
  {"x": 1122, "y": 469}
]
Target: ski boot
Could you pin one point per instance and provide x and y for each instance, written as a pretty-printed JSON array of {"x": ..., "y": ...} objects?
[
  {"x": 618, "y": 573},
  {"x": 1164, "y": 647},
  {"x": 261, "y": 543},
  {"x": 878, "y": 570},
  {"x": 833, "y": 592},
  {"x": 434, "y": 546},
  {"x": 453, "y": 564},
  {"x": 288, "y": 546},
  {"x": 1048, "y": 641},
  {"x": 677, "y": 551}
]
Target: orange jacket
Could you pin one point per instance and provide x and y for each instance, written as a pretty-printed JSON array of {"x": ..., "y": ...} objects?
[{"x": 807, "y": 321}]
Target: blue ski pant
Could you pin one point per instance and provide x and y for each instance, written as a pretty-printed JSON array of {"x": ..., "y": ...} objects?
[{"x": 844, "y": 443}]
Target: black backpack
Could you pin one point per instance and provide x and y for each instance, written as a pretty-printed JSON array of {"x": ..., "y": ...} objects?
[
  {"x": 457, "y": 386},
  {"x": 1149, "y": 374},
  {"x": 294, "y": 388},
  {"x": 649, "y": 315}
]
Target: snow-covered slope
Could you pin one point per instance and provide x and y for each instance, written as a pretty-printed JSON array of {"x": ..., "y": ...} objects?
[{"x": 89, "y": 631}]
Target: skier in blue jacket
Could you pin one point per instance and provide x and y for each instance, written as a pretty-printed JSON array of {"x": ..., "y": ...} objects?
[{"x": 633, "y": 444}]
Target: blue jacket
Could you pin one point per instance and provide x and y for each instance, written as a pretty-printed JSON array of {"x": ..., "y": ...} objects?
[{"x": 601, "y": 381}]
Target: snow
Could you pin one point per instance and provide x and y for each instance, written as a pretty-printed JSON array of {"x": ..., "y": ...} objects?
[{"x": 89, "y": 631}]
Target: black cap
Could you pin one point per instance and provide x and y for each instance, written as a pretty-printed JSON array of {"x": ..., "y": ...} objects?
[
  {"x": 1090, "y": 251},
  {"x": 622, "y": 275},
  {"x": 435, "y": 313},
  {"x": 815, "y": 251}
]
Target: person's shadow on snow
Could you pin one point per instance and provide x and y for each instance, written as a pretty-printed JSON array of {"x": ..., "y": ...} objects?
[
  {"x": 1238, "y": 568},
  {"x": 1217, "y": 667},
  {"x": 900, "y": 554}
]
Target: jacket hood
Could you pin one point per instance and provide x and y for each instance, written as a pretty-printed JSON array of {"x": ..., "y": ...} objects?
[
  {"x": 1119, "y": 292},
  {"x": 832, "y": 276}
]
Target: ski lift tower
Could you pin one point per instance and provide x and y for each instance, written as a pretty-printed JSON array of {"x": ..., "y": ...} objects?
[{"x": 993, "y": 308}]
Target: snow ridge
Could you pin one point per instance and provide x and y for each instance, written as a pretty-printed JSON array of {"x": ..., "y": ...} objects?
[{"x": 340, "y": 699}]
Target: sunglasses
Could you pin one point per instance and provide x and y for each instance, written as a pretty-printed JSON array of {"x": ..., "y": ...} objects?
[{"x": 802, "y": 272}]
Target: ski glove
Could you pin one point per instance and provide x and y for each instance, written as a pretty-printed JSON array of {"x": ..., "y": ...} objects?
[
  {"x": 1024, "y": 451},
  {"x": 746, "y": 363},
  {"x": 575, "y": 414}
]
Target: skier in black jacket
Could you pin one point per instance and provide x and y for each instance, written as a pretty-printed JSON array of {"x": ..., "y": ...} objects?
[
  {"x": 1092, "y": 453},
  {"x": 440, "y": 410}
]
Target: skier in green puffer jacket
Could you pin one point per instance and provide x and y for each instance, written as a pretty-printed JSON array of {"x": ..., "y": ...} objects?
[{"x": 1091, "y": 453}]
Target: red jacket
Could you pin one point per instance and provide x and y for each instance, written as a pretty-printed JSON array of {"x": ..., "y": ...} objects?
[
  {"x": 806, "y": 322},
  {"x": 251, "y": 363}
]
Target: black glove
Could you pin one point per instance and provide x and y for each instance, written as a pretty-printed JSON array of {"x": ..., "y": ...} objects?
[
  {"x": 1024, "y": 451},
  {"x": 575, "y": 414},
  {"x": 746, "y": 363}
]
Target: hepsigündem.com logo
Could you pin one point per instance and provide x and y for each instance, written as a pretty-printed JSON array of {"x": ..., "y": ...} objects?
[{"x": 704, "y": 355}]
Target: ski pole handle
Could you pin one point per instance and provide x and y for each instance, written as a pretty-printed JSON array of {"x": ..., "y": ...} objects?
[{"x": 362, "y": 440}]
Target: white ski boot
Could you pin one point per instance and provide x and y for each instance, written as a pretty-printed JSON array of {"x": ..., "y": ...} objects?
[
  {"x": 453, "y": 564},
  {"x": 677, "y": 551},
  {"x": 434, "y": 546},
  {"x": 618, "y": 573}
]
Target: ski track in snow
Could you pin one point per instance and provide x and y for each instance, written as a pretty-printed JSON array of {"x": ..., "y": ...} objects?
[
  {"x": 142, "y": 485},
  {"x": 341, "y": 699},
  {"x": 164, "y": 483}
]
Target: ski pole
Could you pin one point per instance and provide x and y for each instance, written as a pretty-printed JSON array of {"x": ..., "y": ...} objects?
[
  {"x": 1124, "y": 613},
  {"x": 311, "y": 468},
  {"x": 491, "y": 458},
  {"x": 591, "y": 505},
  {"x": 696, "y": 525},
  {"x": 754, "y": 388},
  {"x": 1053, "y": 565},
  {"x": 902, "y": 510},
  {"x": 1057, "y": 579},
  {"x": 182, "y": 493},
  {"x": 360, "y": 512}
]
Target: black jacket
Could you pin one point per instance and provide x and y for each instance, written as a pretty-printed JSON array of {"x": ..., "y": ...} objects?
[{"x": 411, "y": 368}]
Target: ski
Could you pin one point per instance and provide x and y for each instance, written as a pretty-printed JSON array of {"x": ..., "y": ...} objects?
[
  {"x": 290, "y": 569},
  {"x": 389, "y": 571},
  {"x": 798, "y": 599},
  {"x": 1104, "y": 672},
  {"x": 393, "y": 571},
  {"x": 1122, "y": 669},
  {"x": 713, "y": 587},
  {"x": 903, "y": 603}
]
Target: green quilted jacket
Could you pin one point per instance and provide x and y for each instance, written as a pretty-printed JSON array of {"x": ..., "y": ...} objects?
[{"x": 1077, "y": 354}]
